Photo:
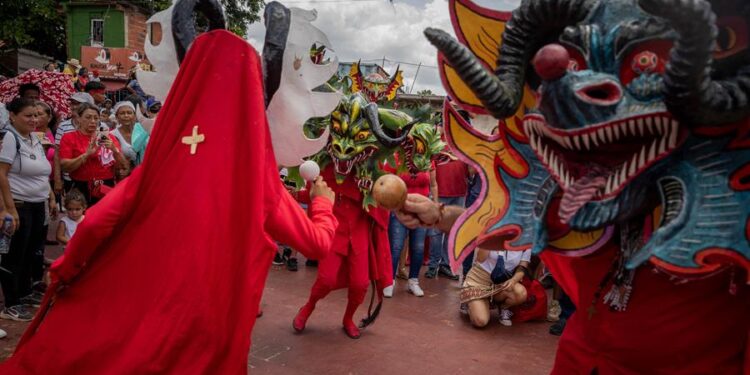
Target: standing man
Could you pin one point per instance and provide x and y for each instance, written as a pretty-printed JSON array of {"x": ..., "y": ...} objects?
[{"x": 452, "y": 188}]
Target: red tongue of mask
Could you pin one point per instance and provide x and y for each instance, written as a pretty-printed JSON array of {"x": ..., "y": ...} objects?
[{"x": 581, "y": 192}]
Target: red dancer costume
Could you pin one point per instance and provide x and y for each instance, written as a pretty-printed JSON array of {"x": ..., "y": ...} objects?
[
  {"x": 166, "y": 272},
  {"x": 361, "y": 239},
  {"x": 361, "y": 136}
]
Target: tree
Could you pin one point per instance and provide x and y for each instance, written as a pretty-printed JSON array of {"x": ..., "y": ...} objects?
[
  {"x": 425, "y": 92},
  {"x": 239, "y": 13},
  {"x": 38, "y": 25}
]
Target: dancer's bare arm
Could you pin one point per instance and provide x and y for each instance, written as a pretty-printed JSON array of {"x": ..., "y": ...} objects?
[{"x": 420, "y": 211}]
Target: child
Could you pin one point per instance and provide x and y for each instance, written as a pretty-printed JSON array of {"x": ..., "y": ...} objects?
[{"x": 75, "y": 205}]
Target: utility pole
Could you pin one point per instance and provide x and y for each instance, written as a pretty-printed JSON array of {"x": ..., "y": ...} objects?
[{"x": 415, "y": 78}]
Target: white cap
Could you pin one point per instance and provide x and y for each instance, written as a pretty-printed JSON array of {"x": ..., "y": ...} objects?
[{"x": 83, "y": 97}]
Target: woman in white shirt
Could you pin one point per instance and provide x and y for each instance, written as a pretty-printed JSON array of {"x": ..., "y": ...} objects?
[
  {"x": 495, "y": 276},
  {"x": 24, "y": 183}
]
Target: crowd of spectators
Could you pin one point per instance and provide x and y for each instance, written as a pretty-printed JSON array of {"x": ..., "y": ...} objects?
[{"x": 50, "y": 164}]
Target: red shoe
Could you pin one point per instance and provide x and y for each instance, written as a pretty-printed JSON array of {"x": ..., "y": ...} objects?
[
  {"x": 300, "y": 320},
  {"x": 351, "y": 330}
]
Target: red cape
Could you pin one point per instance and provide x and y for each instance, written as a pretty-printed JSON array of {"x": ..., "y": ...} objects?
[{"x": 166, "y": 273}]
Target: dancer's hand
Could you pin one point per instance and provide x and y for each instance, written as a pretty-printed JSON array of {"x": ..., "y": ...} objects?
[
  {"x": 418, "y": 211},
  {"x": 320, "y": 189}
]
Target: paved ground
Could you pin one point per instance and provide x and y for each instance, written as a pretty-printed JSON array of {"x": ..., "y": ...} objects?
[{"x": 412, "y": 335}]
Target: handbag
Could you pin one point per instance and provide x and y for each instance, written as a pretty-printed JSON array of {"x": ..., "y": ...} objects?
[
  {"x": 499, "y": 274},
  {"x": 97, "y": 189}
]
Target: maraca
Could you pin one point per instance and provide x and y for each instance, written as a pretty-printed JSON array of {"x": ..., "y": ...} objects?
[
  {"x": 309, "y": 170},
  {"x": 389, "y": 192}
]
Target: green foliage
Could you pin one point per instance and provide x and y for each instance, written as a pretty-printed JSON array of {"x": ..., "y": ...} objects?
[
  {"x": 38, "y": 25},
  {"x": 240, "y": 13},
  {"x": 294, "y": 177},
  {"x": 424, "y": 92}
]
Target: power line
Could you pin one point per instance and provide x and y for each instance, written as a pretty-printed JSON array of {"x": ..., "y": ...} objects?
[{"x": 402, "y": 62}]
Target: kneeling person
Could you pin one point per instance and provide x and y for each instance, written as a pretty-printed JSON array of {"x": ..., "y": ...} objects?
[{"x": 495, "y": 278}]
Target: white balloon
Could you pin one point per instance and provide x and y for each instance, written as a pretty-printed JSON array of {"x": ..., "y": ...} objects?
[{"x": 309, "y": 170}]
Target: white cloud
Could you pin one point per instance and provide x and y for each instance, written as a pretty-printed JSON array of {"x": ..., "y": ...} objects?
[{"x": 372, "y": 30}]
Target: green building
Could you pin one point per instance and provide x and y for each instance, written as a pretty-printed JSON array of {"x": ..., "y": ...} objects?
[{"x": 113, "y": 24}]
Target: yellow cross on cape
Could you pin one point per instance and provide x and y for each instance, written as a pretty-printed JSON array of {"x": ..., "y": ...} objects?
[{"x": 193, "y": 140}]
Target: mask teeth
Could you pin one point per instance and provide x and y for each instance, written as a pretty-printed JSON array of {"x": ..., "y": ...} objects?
[{"x": 660, "y": 131}]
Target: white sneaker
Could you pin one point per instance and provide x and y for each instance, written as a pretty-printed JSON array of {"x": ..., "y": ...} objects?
[
  {"x": 414, "y": 288},
  {"x": 3, "y": 333},
  {"x": 505, "y": 316},
  {"x": 553, "y": 314},
  {"x": 388, "y": 291}
]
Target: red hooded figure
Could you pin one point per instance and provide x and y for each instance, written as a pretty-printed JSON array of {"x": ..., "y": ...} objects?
[{"x": 166, "y": 273}]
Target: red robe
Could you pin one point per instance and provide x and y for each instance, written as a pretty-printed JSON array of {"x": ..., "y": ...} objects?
[
  {"x": 693, "y": 328},
  {"x": 166, "y": 273}
]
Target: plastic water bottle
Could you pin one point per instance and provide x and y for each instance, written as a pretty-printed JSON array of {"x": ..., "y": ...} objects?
[{"x": 6, "y": 234}]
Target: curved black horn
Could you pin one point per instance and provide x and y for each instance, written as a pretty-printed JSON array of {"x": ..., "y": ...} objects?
[
  {"x": 371, "y": 113},
  {"x": 690, "y": 92},
  {"x": 183, "y": 22},
  {"x": 278, "y": 19},
  {"x": 531, "y": 24}
]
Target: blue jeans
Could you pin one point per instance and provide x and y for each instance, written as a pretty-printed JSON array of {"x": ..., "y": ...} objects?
[
  {"x": 397, "y": 233},
  {"x": 439, "y": 240}
]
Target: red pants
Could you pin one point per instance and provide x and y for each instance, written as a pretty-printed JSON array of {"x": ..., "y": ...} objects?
[{"x": 338, "y": 271}]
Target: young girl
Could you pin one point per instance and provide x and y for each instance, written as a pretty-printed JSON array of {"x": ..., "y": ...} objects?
[{"x": 75, "y": 205}]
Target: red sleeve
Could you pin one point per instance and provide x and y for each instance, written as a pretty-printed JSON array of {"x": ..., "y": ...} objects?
[
  {"x": 67, "y": 147},
  {"x": 311, "y": 236}
]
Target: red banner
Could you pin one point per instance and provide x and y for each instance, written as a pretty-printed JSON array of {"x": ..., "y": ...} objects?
[{"x": 111, "y": 62}]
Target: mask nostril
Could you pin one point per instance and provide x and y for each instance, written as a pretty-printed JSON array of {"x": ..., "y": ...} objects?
[
  {"x": 349, "y": 150},
  {"x": 606, "y": 93},
  {"x": 337, "y": 148}
]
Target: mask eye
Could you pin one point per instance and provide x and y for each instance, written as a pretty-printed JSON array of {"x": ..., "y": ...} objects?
[
  {"x": 336, "y": 126},
  {"x": 646, "y": 58},
  {"x": 419, "y": 146},
  {"x": 645, "y": 62},
  {"x": 361, "y": 136},
  {"x": 732, "y": 37}
]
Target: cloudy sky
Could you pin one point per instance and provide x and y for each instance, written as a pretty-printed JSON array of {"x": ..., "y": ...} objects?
[{"x": 373, "y": 29}]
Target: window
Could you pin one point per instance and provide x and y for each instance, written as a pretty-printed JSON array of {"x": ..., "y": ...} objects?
[{"x": 97, "y": 32}]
